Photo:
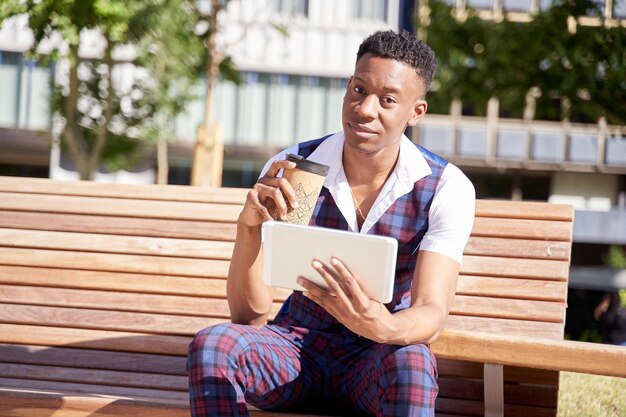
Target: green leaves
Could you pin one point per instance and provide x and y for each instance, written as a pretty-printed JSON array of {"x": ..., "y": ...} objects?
[{"x": 479, "y": 59}]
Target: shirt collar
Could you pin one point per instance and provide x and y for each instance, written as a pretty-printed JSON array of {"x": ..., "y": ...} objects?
[{"x": 411, "y": 167}]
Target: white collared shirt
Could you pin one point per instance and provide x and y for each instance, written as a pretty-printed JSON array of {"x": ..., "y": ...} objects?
[{"x": 451, "y": 213}]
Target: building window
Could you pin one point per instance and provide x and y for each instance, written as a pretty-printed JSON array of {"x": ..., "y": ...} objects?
[
  {"x": 275, "y": 110},
  {"x": 619, "y": 9},
  {"x": 545, "y": 4},
  {"x": 25, "y": 87},
  {"x": 516, "y": 5},
  {"x": 293, "y": 7},
  {"x": 370, "y": 9},
  {"x": 480, "y": 4}
]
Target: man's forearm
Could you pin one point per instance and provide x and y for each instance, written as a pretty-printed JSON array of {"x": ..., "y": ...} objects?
[
  {"x": 417, "y": 324},
  {"x": 249, "y": 299}
]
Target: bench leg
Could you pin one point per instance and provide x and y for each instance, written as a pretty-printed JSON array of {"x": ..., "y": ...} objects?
[{"x": 494, "y": 390}]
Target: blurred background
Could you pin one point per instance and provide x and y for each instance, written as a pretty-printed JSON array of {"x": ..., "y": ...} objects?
[{"x": 529, "y": 100}]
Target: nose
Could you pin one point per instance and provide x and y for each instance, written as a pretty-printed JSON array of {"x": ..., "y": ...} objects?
[{"x": 368, "y": 107}]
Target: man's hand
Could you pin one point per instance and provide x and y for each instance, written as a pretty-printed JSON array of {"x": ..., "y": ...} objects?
[
  {"x": 345, "y": 300},
  {"x": 266, "y": 199}
]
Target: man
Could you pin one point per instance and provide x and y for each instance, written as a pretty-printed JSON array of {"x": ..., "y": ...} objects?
[{"x": 336, "y": 347}]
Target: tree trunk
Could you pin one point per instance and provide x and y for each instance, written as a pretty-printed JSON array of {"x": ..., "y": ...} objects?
[
  {"x": 162, "y": 164},
  {"x": 205, "y": 147},
  {"x": 72, "y": 135},
  {"x": 103, "y": 129}
]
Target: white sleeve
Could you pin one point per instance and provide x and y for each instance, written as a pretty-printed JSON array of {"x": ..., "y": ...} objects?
[
  {"x": 281, "y": 155},
  {"x": 451, "y": 215}
]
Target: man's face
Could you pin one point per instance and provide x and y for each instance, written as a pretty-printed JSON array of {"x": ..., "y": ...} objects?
[{"x": 383, "y": 97}]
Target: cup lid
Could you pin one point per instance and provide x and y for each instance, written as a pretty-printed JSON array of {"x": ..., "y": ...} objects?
[{"x": 309, "y": 166}]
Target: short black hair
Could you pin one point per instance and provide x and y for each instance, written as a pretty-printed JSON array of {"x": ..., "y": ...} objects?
[{"x": 403, "y": 47}]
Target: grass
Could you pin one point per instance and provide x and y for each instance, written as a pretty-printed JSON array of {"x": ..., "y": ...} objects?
[{"x": 582, "y": 395}]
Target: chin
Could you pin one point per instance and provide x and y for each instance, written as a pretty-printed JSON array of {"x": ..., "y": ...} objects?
[{"x": 362, "y": 145}]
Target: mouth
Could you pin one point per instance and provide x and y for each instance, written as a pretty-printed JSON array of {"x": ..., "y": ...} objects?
[{"x": 360, "y": 130}]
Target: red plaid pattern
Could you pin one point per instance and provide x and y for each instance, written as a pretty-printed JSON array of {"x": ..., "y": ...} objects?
[{"x": 305, "y": 359}]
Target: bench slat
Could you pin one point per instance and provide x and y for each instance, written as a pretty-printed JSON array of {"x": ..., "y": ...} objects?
[
  {"x": 476, "y": 408},
  {"x": 116, "y": 207},
  {"x": 158, "y": 323},
  {"x": 524, "y": 210},
  {"x": 561, "y": 355},
  {"x": 472, "y": 265},
  {"x": 522, "y": 229},
  {"x": 201, "y": 306},
  {"x": 94, "y": 376},
  {"x": 510, "y": 248},
  {"x": 114, "y": 301},
  {"x": 80, "y": 318},
  {"x": 462, "y": 407},
  {"x": 193, "y": 229},
  {"x": 125, "y": 226},
  {"x": 141, "y": 191},
  {"x": 518, "y": 248},
  {"x": 506, "y": 326},
  {"x": 520, "y": 268},
  {"x": 515, "y": 374},
  {"x": 513, "y": 393},
  {"x": 94, "y": 359},
  {"x": 123, "y": 282},
  {"x": 209, "y": 268},
  {"x": 509, "y": 309},
  {"x": 131, "y": 245},
  {"x": 104, "y": 280},
  {"x": 96, "y": 339},
  {"x": 111, "y": 302},
  {"x": 529, "y": 289},
  {"x": 23, "y": 403}
]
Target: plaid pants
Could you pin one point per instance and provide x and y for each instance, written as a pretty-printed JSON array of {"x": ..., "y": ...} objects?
[{"x": 292, "y": 369}]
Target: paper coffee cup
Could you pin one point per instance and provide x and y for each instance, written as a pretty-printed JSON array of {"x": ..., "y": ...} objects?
[{"x": 306, "y": 179}]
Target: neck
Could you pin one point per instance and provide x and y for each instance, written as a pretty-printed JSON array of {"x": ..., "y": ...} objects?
[
  {"x": 369, "y": 169},
  {"x": 366, "y": 174}
]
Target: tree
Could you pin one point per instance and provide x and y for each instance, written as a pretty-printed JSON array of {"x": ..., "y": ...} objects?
[
  {"x": 105, "y": 121},
  {"x": 577, "y": 72},
  {"x": 176, "y": 56},
  {"x": 208, "y": 151}
]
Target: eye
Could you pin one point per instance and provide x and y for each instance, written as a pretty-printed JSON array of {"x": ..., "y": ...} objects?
[
  {"x": 388, "y": 100},
  {"x": 359, "y": 90}
]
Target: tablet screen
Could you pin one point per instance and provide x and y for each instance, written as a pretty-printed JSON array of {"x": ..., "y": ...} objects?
[{"x": 288, "y": 251}]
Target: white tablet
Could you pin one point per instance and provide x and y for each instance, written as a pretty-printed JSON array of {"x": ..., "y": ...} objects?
[{"x": 288, "y": 251}]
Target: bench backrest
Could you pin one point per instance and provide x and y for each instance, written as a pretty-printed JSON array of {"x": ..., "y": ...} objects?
[{"x": 103, "y": 286}]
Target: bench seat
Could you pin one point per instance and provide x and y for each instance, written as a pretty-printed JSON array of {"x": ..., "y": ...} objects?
[{"x": 102, "y": 287}]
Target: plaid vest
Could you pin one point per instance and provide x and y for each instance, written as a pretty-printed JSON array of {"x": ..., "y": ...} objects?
[{"x": 406, "y": 221}]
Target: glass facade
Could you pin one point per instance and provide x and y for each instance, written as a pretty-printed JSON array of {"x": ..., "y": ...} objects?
[
  {"x": 370, "y": 9},
  {"x": 293, "y": 7},
  {"x": 274, "y": 110},
  {"x": 516, "y": 5},
  {"x": 25, "y": 87},
  {"x": 480, "y": 4},
  {"x": 619, "y": 9}
]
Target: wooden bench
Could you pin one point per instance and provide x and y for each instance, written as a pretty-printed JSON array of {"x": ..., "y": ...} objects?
[{"x": 103, "y": 286}]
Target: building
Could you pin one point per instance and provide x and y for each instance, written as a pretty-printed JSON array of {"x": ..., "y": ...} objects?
[{"x": 293, "y": 89}]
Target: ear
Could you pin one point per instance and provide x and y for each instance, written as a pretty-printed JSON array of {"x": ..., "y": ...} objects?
[{"x": 419, "y": 110}]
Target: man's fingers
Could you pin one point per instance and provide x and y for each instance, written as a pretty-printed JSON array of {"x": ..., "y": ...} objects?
[
  {"x": 277, "y": 165},
  {"x": 349, "y": 283},
  {"x": 331, "y": 282}
]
